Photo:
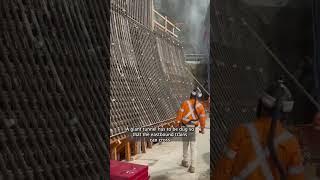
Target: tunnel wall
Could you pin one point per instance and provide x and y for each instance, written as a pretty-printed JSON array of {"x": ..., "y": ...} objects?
[{"x": 148, "y": 76}]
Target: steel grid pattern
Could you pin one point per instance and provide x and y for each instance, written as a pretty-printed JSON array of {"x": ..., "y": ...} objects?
[
  {"x": 148, "y": 76},
  {"x": 241, "y": 69},
  {"x": 139, "y": 11},
  {"x": 54, "y": 89},
  {"x": 152, "y": 74},
  {"x": 55, "y": 79}
]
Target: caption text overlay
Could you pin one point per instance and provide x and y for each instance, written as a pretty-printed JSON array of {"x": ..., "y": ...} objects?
[{"x": 161, "y": 134}]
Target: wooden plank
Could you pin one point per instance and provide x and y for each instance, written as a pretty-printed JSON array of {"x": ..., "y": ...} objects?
[
  {"x": 143, "y": 145},
  {"x": 149, "y": 144},
  {"x": 135, "y": 147},
  {"x": 170, "y": 23},
  {"x": 159, "y": 25},
  {"x": 156, "y": 13},
  {"x": 114, "y": 154},
  {"x": 164, "y": 29},
  {"x": 117, "y": 138},
  {"x": 127, "y": 150},
  {"x": 139, "y": 147},
  {"x": 115, "y": 149},
  {"x": 159, "y": 14},
  {"x": 166, "y": 24}
]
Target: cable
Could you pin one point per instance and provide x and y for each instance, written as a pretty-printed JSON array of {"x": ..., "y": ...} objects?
[
  {"x": 197, "y": 81},
  {"x": 281, "y": 64}
]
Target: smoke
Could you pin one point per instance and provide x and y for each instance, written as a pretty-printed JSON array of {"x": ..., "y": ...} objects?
[
  {"x": 190, "y": 12},
  {"x": 194, "y": 17}
]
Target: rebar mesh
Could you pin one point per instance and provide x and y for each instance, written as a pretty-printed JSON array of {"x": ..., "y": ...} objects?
[
  {"x": 54, "y": 89},
  {"x": 242, "y": 66},
  {"x": 148, "y": 76},
  {"x": 139, "y": 11}
]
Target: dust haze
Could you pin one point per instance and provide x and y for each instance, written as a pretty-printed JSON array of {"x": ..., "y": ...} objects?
[{"x": 190, "y": 12}]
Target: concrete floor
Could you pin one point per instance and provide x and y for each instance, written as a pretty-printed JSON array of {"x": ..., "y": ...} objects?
[{"x": 164, "y": 160}]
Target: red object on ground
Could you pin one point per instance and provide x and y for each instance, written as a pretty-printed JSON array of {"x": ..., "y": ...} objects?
[{"x": 127, "y": 171}]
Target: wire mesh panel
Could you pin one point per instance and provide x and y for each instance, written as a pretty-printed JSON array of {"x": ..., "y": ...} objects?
[
  {"x": 119, "y": 5},
  {"x": 242, "y": 66},
  {"x": 237, "y": 77},
  {"x": 152, "y": 73},
  {"x": 144, "y": 91},
  {"x": 129, "y": 94},
  {"x": 54, "y": 98},
  {"x": 172, "y": 61},
  {"x": 141, "y": 11}
]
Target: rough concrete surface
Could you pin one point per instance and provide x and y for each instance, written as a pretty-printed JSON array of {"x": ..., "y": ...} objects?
[{"x": 164, "y": 160}]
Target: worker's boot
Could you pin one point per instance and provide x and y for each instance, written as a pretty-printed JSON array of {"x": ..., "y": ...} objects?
[
  {"x": 191, "y": 169},
  {"x": 184, "y": 163}
]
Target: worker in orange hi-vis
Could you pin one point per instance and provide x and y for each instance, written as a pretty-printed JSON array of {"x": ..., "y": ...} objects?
[
  {"x": 263, "y": 149},
  {"x": 190, "y": 114}
]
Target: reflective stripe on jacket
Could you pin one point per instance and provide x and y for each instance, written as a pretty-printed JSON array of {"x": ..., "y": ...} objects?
[
  {"x": 186, "y": 114},
  {"x": 247, "y": 157}
]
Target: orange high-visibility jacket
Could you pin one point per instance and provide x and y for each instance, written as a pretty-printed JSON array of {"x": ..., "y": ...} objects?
[
  {"x": 247, "y": 157},
  {"x": 186, "y": 113}
]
